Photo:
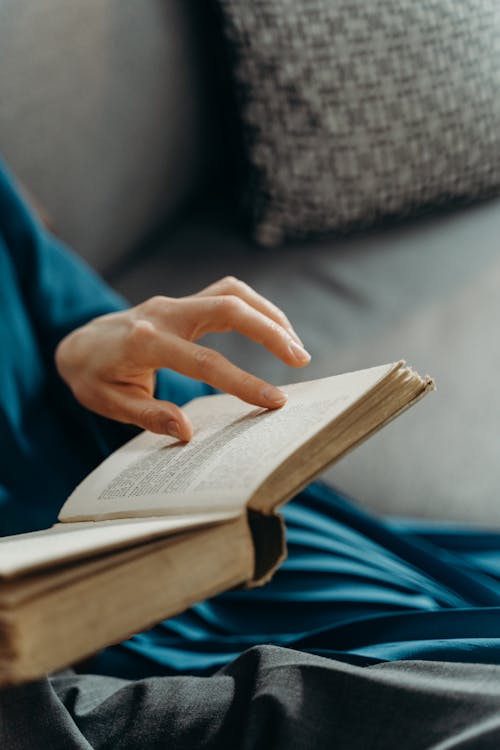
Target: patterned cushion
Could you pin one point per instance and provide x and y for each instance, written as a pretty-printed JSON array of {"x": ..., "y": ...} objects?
[{"x": 355, "y": 109}]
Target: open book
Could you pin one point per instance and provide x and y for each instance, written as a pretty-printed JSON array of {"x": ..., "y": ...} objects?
[{"x": 160, "y": 524}]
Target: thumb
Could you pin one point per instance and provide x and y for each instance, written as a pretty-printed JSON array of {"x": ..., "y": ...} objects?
[{"x": 161, "y": 417}]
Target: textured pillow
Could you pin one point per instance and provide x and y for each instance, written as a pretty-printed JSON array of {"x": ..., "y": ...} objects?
[{"x": 355, "y": 109}]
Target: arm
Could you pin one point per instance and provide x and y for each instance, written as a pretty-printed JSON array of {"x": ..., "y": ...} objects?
[
  {"x": 59, "y": 290},
  {"x": 111, "y": 362}
]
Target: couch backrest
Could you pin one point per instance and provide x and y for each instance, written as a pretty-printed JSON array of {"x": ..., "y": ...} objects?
[{"x": 104, "y": 113}]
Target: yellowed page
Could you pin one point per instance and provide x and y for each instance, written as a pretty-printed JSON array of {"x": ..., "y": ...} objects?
[
  {"x": 235, "y": 446},
  {"x": 70, "y": 541}
]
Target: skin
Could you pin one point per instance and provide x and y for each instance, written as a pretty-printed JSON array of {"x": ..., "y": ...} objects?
[{"x": 110, "y": 363}]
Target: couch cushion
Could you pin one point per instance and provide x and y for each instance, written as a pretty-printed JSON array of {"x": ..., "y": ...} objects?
[
  {"x": 104, "y": 113},
  {"x": 428, "y": 291},
  {"x": 357, "y": 109}
]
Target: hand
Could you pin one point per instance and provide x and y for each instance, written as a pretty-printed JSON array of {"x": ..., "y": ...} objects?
[{"x": 110, "y": 364}]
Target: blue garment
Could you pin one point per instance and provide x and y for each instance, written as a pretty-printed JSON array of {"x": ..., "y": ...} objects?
[
  {"x": 48, "y": 441},
  {"x": 354, "y": 587}
]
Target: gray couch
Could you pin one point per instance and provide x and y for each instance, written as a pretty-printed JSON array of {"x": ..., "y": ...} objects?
[{"x": 114, "y": 113}]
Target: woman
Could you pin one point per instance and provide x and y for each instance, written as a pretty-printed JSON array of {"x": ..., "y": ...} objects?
[{"x": 397, "y": 609}]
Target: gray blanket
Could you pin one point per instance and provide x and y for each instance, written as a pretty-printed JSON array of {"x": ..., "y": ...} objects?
[{"x": 267, "y": 698}]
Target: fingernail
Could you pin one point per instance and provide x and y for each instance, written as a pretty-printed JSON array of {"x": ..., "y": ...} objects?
[
  {"x": 299, "y": 352},
  {"x": 173, "y": 429},
  {"x": 274, "y": 396}
]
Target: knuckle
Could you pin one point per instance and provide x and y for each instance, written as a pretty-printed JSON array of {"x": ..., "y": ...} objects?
[
  {"x": 149, "y": 419},
  {"x": 141, "y": 329},
  {"x": 282, "y": 319},
  {"x": 156, "y": 304},
  {"x": 232, "y": 304},
  {"x": 227, "y": 306},
  {"x": 231, "y": 283},
  {"x": 275, "y": 329},
  {"x": 158, "y": 300},
  {"x": 247, "y": 384},
  {"x": 206, "y": 360},
  {"x": 272, "y": 333},
  {"x": 139, "y": 332}
]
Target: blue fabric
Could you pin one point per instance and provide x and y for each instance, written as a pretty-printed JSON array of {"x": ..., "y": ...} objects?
[
  {"x": 48, "y": 441},
  {"x": 354, "y": 587}
]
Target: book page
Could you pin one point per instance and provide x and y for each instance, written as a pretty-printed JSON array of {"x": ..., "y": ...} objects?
[
  {"x": 234, "y": 447},
  {"x": 63, "y": 542}
]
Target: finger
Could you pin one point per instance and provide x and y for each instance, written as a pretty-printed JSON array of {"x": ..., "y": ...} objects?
[
  {"x": 130, "y": 405},
  {"x": 211, "y": 367},
  {"x": 229, "y": 313},
  {"x": 233, "y": 286}
]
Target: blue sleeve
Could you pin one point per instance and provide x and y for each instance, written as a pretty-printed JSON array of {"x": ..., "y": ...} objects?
[
  {"x": 60, "y": 290},
  {"x": 49, "y": 441}
]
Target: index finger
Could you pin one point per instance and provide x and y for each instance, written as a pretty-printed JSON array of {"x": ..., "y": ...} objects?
[{"x": 209, "y": 366}]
